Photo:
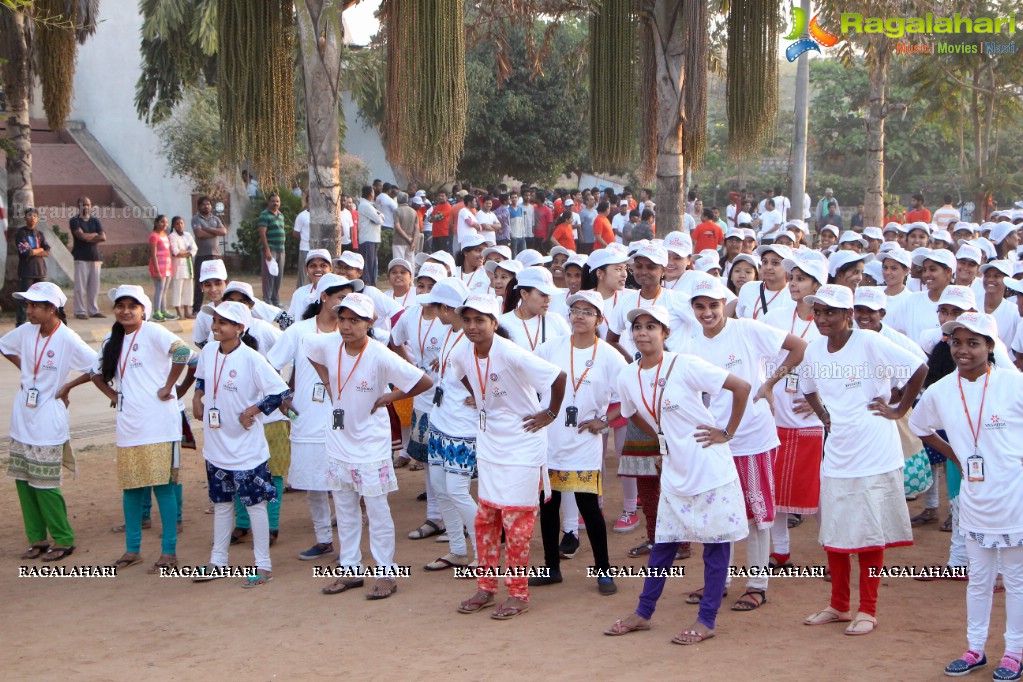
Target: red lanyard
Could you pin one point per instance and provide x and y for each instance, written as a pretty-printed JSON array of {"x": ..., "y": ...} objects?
[
  {"x": 571, "y": 363},
  {"x": 653, "y": 397},
  {"x": 216, "y": 374},
  {"x": 444, "y": 358},
  {"x": 980, "y": 416},
  {"x": 340, "y": 352},
  {"x": 131, "y": 344},
  {"x": 483, "y": 384},
  {"x": 756, "y": 313},
  {"x": 535, "y": 339},
  {"x": 39, "y": 356},
  {"x": 792, "y": 328},
  {"x": 422, "y": 339}
]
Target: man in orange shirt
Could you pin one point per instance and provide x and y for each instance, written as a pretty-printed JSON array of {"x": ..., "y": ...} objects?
[
  {"x": 708, "y": 234},
  {"x": 918, "y": 214},
  {"x": 440, "y": 216},
  {"x": 602, "y": 232}
]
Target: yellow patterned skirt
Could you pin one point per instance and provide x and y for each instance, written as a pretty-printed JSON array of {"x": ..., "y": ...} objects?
[
  {"x": 145, "y": 465},
  {"x": 278, "y": 438},
  {"x": 576, "y": 481}
]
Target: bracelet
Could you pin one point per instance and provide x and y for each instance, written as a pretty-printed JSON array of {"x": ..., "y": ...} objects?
[{"x": 550, "y": 414}]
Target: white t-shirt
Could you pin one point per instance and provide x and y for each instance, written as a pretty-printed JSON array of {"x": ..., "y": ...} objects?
[
  {"x": 859, "y": 443},
  {"x": 784, "y": 402},
  {"x": 146, "y": 358},
  {"x": 466, "y": 220},
  {"x": 347, "y": 223},
  {"x": 688, "y": 469},
  {"x": 453, "y": 417},
  {"x": 531, "y": 334},
  {"x": 302, "y": 228},
  {"x": 730, "y": 212},
  {"x": 993, "y": 505},
  {"x": 365, "y": 438},
  {"x": 387, "y": 207},
  {"x": 56, "y": 355},
  {"x": 477, "y": 281},
  {"x": 681, "y": 319},
  {"x": 770, "y": 222},
  {"x": 245, "y": 378},
  {"x": 596, "y": 370},
  {"x": 202, "y": 328},
  {"x": 944, "y": 215},
  {"x": 313, "y": 417},
  {"x": 1007, "y": 317},
  {"x": 423, "y": 339},
  {"x": 618, "y": 224},
  {"x": 406, "y": 300},
  {"x": 512, "y": 377},
  {"x": 385, "y": 308},
  {"x": 488, "y": 218},
  {"x": 929, "y": 338},
  {"x": 895, "y": 314},
  {"x": 743, "y": 218},
  {"x": 742, "y": 348},
  {"x": 688, "y": 223},
  {"x": 751, "y": 306},
  {"x": 918, "y": 314},
  {"x": 301, "y": 300}
]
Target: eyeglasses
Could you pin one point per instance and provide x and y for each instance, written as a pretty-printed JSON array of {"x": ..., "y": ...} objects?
[{"x": 584, "y": 313}]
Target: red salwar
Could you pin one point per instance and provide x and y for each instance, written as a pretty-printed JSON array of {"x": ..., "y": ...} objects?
[
  {"x": 841, "y": 568},
  {"x": 518, "y": 529}
]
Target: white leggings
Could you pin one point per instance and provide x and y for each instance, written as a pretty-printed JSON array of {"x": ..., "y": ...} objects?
[
  {"x": 456, "y": 507},
  {"x": 223, "y": 524},
  {"x": 319, "y": 510},
  {"x": 758, "y": 552},
  {"x": 984, "y": 567},
  {"x": 349, "y": 529}
]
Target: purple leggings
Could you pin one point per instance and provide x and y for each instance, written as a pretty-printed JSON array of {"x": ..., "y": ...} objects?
[{"x": 715, "y": 571}]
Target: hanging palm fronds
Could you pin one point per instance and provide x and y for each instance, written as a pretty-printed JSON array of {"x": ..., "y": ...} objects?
[
  {"x": 648, "y": 100},
  {"x": 695, "y": 67},
  {"x": 612, "y": 43},
  {"x": 752, "y": 86},
  {"x": 427, "y": 96},
  {"x": 256, "y": 91},
  {"x": 59, "y": 24}
]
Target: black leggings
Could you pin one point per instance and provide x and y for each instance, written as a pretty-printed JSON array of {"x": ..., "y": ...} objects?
[{"x": 596, "y": 529}]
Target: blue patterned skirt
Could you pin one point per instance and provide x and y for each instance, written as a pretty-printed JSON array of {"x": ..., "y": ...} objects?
[
  {"x": 417, "y": 448},
  {"x": 456, "y": 455}
]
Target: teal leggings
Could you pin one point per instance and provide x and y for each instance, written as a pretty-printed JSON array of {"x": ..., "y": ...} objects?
[
  {"x": 147, "y": 502},
  {"x": 133, "y": 500},
  {"x": 273, "y": 509}
]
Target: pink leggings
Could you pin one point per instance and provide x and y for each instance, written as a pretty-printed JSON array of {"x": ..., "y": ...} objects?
[{"x": 841, "y": 569}]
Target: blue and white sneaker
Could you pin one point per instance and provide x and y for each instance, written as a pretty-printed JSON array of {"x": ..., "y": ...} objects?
[{"x": 317, "y": 551}]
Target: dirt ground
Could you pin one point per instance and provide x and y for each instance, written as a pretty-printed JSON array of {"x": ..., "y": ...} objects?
[{"x": 163, "y": 628}]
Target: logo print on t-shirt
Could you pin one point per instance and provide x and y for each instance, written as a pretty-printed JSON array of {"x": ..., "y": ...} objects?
[
  {"x": 589, "y": 363},
  {"x": 49, "y": 353},
  {"x": 995, "y": 424},
  {"x": 433, "y": 340},
  {"x": 232, "y": 374},
  {"x": 363, "y": 387},
  {"x": 732, "y": 362},
  {"x": 493, "y": 376},
  {"x": 135, "y": 348}
]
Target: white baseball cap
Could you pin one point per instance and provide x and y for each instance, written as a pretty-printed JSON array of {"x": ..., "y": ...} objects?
[
  {"x": 352, "y": 260},
  {"x": 360, "y": 304},
  {"x": 959, "y": 296},
  {"x": 749, "y": 233},
  {"x": 501, "y": 250},
  {"x": 658, "y": 255},
  {"x": 812, "y": 263},
  {"x": 781, "y": 250},
  {"x": 791, "y": 237},
  {"x": 888, "y": 246},
  {"x": 434, "y": 271},
  {"x": 710, "y": 287},
  {"x": 796, "y": 224},
  {"x": 734, "y": 234},
  {"x": 450, "y": 291},
  {"x": 1003, "y": 266},
  {"x": 576, "y": 259},
  {"x": 891, "y": 227},
  {"x": 873, "y": 269},
  {"x": 212, "y": 269},
  {"x": 322, "y": 254},
  {"x": 471, "y": 242},
  {"x": 751, "y": 258},
  {"x": 679, "y": 243},
  {"x": 136, "y": 292},
  {"x": 1012, "y": 284},
  {"x": 511, "y": 265},
  {"x": 568, "y": 202},
  {"x": 969, "y": 252},
  {"x": 399, "y": 261},
  {"x": 963, "y": 226},
  {"x": 900, "y": 256},
  {"x": 444, "y": 258},
  {"x": 871, "y": 297},
  {"x": 707, "y": 263},
  {"x": 940, "y": 256},
  {"x": 942, "y": 236},
  {"x": 1001, "y": 230},
  {"x": 330, "y": 281},
  {"x": 851, "y": 236},
  {"x": 830, "y": 228},
  {"x": 238, "y": 313},
  {"x": 44, "y": 292},
  {"x": 602, "y": 257},
  {"x": 561, "y": 251},
  {"x": 243, "y": 288},
  {"x": 917, "y": 226},
  {"x": 587, "y": 296},
  {"x": 531, "y": 257},
  {"x": 978, "y": 323},
  {"x": 481, "y": 303},
  {"x": 832, "y": 296},
  {"x": 658, "y": 312},
  {"x": 538, "y": 278},
  {"x": 839, "y": 259},
  {"x": 873, "y": 233}
]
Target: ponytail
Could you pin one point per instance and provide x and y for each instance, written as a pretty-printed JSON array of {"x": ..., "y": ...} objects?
[
  {"x": 460, "y": 258},
  {"x": 590, "y": 280},
  {"x": 61, "y": 315},
  {"x": 249, "y": 340},
  {"x": 512, "y": 296},
  {"x": 111, "y": 352}
]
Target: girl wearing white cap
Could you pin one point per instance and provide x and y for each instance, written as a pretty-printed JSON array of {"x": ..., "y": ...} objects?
[
  {"x": 356, "y": 374},
  {"x": 526, "y": 317},
  {"x": 469, "y": 265},
  {"x": 701, "y": 499},
  {"x": 307, "y": 469},
  {"x": 45, "y": 351},
  {"x": 1005, "y": 237},
  {"x": 511, "y": 447},
  {"x": 212, "y": 281},
  {"x": 978, "y": 407},
  {"x": 143, "y": 361},
  {"x": 744, "y": 268},
  {"x": 895, "y": 265},
  {"x": 863, "y": 509},
  {"x": 451, "y": 442},
  {"x": 757, "y": 299},
  {"x": 575, "y": 449},
  {"x": 845, "y": 268},
  {"x": 399, "y": 276},
  {"x": 797, "y": 464},
  {"x": 501, "y": 273},
  {"x": 742, "y": 347},
  {"x": 234, "y": 446},
  {"x": 317, "y": 264},
  {"x": 936, "y": 274},
  {"x": 995, "y": 303}
]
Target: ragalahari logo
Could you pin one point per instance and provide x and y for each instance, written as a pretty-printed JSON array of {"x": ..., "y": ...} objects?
[{"x": 818, "y": 36}]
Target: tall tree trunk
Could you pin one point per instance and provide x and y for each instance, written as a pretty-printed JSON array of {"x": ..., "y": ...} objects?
[
  {"x": 873, "y": 199},
  {"x": 669, "y": 51},
  {"x": 802, "y": 108},
  {"x": 16, "y": 50},
  {"x": 319, "y": 33}
]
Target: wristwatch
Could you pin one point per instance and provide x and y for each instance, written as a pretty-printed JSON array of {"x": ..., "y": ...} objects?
[
  {"x": 550, "y": 414},
  {"x": 607, "y": 428},
  {"x": 727, "y": 435}
]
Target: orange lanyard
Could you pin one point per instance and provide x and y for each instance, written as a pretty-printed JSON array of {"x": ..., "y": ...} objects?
[
  {"x": 653, "y": 397},
  {"x": 980, "y": 416},
  {"x": 403, "y": 299},
  {"x": 317, "y": 327},
  {"x": 483, "y": 384},
  {"x": 756, "y": 312},
  {"x": 340, "y": 352},
  {"x": 469, "y": 283},
  {"x": 639, "y": 298},
  {"x": 535, "y": 339},
  {"x": 674, "y": 283},
  {"x": 444, "y": 362},
  {"x": 216, "y": 374},
  {"x": 571, "y": 363},
  {"x": 131, "y": 344},
  {"x": 614, "y": 304},
  {"x": 792, "y": 328},
  {"x": 39, "y": 356},
  {"x": 422, "y": 339}
]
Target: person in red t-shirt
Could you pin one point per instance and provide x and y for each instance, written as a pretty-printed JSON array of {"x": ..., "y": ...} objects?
[
  {"x": 563, "y": 233},
  {"x": 918, "y": 214},
  {"x": 708, "y": 234},
  {"x": 542, "y": 223},
  {"x": 440, "y": 216},
  {"x": 602, "y": 232}
]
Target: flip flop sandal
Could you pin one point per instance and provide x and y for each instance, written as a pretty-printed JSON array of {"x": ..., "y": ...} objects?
[
  {"x": 155, "y": 568},
  {"x": 427, "y": 530},
  {"x": 58, "y": 553},
  {"x": 35, "y": 551},
  {"x": 444, "y": 562},
  {"x": 620, "y": 628},
  {"x": 509, "y": 612},
  {"x": 779, "y": 561},
  {"x": 684, "y": 552},
  {"x": 922, "y": 519},
  {"x": 339, "y": 586},
  {"x": 475, "y": 605},
  {"x": 641, "y": 549},
  {"x": 374, "y": 596},
  {"x": 861, "y": 626},
  {"x": 203, "y": 577},
  {"x": 699, "y": 637},
  {"x": 401, "y": 462},
  {"x": 946, "y": 525},
  {"x": 237, "y": 534},
  {"x": 743, "y": 604},
  {"x": 794, "y": 520},
  {"x": 416, "y": 466},
  {"x": 826, "y": 617},
  {"x": 125, "y": 563},
  {"x": 696, "y": 596},
  {"x": 257, "y": 580}
]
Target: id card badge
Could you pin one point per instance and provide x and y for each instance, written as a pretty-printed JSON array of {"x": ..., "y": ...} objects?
[
  {"x": 120, "y": 402},
  {"x": 32, "y": 397},
  {"x": 319, "y": 392},
  {"x": 571, "y": 415},
  {"x": 975, "y": 469},
  {"x": 214, "y": 418},
  {"x": 339, "y": 419},
  {"x": 438, "y": 396},
  {"x": 483, "y": 420},
  {"x": 662, "y": 443},
  {"x": 792, "y": 383}
]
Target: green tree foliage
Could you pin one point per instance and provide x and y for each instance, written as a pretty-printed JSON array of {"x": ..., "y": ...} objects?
[{"x": 192, "y": 141}]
